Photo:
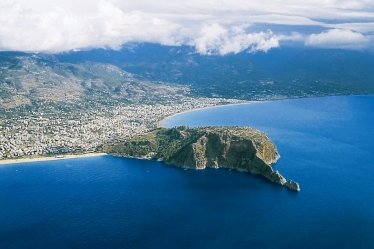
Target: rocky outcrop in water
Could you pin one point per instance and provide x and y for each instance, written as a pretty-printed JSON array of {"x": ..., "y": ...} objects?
[
  {"x": 239, "y": 148},
  {"x": 292, "y": 185}
]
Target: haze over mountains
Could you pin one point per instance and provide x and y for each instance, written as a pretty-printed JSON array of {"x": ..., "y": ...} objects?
[
  {"x": 31, "y": 80},
  {"x": 248, "y": 50},
  {"x": 142, "y": 71},
  {"x": 290, "y": 72},
  {"x": 88, "y": 76}
]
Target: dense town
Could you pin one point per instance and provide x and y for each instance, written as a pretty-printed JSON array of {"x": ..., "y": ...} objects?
[{"x": 83, "y": 132}]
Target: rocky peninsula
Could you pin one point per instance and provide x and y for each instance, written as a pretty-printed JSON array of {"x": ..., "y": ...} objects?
[{"x": 239, "y": 148}]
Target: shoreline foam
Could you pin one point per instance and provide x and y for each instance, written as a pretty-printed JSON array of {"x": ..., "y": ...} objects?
[{"x": 47, "y": 158}]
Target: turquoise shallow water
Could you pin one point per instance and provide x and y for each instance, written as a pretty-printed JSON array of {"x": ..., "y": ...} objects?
[{"x": 326, "y": 144}]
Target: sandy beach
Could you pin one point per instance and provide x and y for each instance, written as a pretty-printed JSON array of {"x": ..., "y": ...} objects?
[
  {"x": 65, "y": 157},
  {"x": 46, "y": 158},
  {"x": 209, "y": 107}
]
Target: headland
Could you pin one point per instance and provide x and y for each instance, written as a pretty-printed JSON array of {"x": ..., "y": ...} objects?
[{"x": 239, "y": 148}]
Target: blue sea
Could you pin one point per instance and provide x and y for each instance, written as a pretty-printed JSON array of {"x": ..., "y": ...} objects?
[{"x": 326, "y": 144}]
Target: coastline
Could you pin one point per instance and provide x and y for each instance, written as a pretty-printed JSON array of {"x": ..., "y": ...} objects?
[
  {"x": 160, "y": 123},
  {"x": 46, "y": 158},
  {"x": 209, "y": 107}
]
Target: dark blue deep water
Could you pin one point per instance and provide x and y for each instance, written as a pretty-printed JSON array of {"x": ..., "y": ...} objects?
[{"x": 326, "y": 144}]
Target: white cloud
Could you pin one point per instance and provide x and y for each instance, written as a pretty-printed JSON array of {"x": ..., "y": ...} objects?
[
  {"x": 339, "y": 38},
  {"x": 215, "y": 39},
  {"x": 225, "y": 26},
  {"x": 358, "y": 27},
  {"x": 61, "y": 30}
]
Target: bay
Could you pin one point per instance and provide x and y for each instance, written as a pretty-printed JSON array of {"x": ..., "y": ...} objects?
[{"x": 326, "y": 144}]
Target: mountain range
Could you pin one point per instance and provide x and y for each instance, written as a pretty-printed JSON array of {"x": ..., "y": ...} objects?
[{"x": 146, "y": 72}]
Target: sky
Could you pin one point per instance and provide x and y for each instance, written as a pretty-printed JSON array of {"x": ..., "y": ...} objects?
[{"x": 210, "y": 26}]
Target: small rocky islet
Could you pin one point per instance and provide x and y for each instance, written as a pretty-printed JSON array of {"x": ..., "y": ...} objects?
[{"x": 239, "y": 148}]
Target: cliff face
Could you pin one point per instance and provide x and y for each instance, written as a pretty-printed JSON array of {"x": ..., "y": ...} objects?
[
  {"x": 221, "y": 150},
  {"x": 239, "y": 148}
]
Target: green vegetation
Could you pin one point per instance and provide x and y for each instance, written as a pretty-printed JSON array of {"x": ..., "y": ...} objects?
[
  {"x": 32, "y": 83},
  {"x": 277, "y": 74},
  {"x": 168, "y": 143},
  {"x": 240, "y": 148},
  {"x": 104, "y": 78}
]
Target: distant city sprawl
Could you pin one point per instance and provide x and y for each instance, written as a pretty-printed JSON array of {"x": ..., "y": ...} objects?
[
  {"x": 75, "y": 102},
  {"x": 43, "y": 133}
]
